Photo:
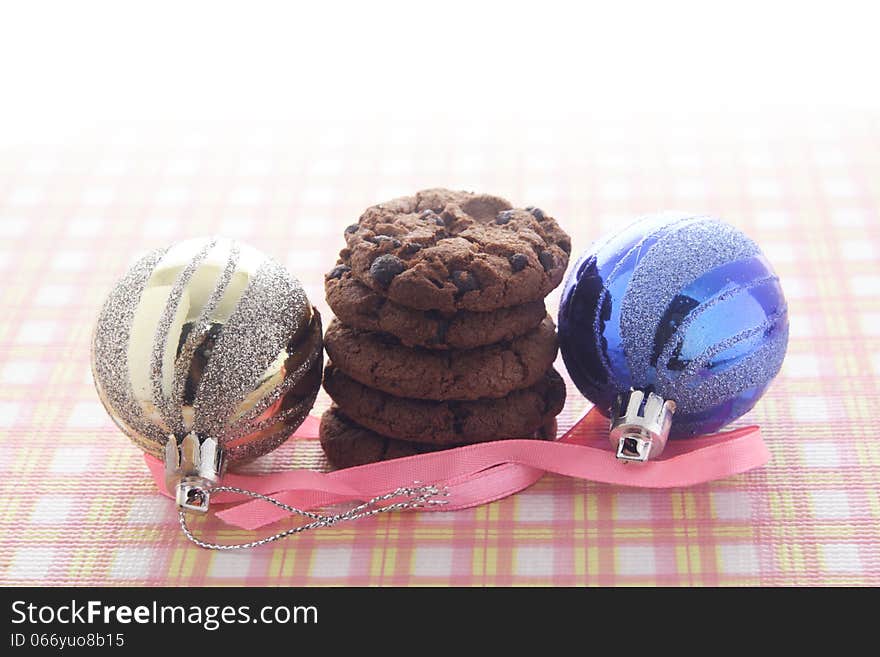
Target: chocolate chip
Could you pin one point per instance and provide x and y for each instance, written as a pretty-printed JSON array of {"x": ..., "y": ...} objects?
[
  {"x": 385, "y": 268},
  {"x": 547, "y": 260},
  {"x": 411, "y": 248},
  {"x": 465, "y": 281},
  {"x": 338, "y": 271},
  {"x": 518, "y": 261},
  {"x": 350, "y": 229},
  {"x": 503, "y": 217},
  {"x": 537, "y": 213},
  {"x": 430, "y": 215}
]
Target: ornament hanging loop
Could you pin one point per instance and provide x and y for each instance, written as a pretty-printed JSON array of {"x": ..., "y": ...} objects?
[
  {"x": 414, "y": 497},
  {"x": 640, "y": 424},
  {"x": 192, "y": 466}
]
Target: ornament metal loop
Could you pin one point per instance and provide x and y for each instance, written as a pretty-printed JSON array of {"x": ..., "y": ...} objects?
[
  {"x": 640, "y": 425},
  {"x": 416, "y": 497},
  {"x": 192, "y": 466}
]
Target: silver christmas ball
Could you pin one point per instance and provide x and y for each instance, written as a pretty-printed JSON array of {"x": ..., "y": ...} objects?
[{"x": 212, "y": 342}]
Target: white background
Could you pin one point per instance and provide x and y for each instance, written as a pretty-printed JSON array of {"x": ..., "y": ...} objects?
[{"x": 63, "y": 65}]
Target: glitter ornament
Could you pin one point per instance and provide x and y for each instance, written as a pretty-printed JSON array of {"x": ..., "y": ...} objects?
[
  {"x": 207, "y": 352},
  {"x": 674, "y": 326}
]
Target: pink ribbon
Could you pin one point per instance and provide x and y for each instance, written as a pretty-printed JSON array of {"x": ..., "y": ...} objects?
[{"x": 481, "y": 473}]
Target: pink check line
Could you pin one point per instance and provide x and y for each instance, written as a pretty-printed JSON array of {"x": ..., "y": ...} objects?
[{"x": 484, "y": 472}]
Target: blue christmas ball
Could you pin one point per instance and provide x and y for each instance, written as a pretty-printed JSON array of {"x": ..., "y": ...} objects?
[{"x": 683, "y": 306}]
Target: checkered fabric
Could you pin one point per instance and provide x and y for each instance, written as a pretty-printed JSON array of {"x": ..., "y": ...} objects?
[{"x": 76, "y": 503}]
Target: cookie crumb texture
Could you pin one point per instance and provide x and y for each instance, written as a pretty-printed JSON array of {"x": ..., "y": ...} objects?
[
  {"x": 445, "y": 250},
  {"x": 442, "y": 424},
  {"x": 347, "y": 444},
  {"x": 381, "y": 362},
  {"x": 358, "y": 306}
]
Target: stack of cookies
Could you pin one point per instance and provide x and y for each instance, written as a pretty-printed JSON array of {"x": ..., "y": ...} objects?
[{"x": 442, "y": 337}]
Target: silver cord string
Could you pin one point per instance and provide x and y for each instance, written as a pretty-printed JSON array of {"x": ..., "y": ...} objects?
[{"x": 417, "y": 497}]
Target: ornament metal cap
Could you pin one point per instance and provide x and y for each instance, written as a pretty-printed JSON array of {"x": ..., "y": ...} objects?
[
  {"x": 640, "y": 424},
  {"x": 192, "y": 467}
]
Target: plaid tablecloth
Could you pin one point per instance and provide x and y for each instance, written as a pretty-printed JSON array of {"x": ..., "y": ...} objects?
[{"x": 77, "y": 505}]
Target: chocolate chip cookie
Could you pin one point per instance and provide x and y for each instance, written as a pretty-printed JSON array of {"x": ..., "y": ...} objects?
[
  {"x": 450, "y": 422},
  {"x": 379, "y": 361},
  {"x": 347, "y": 444},
  {"x": 360, "y": 307},
  {"x": 448, "y": 251}
]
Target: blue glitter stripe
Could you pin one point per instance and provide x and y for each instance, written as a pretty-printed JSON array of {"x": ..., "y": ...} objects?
[
  {"x": 608, "y": 336},
  {"x": 711, "y": 401},
  {"x": 728, "y": 349},
  {"x": 719, "y": 323},
  {"x": 673, "y": 263},
  {"x": 741, "y": 350},
  {"x": 702, "y": 319},
  {"x": 716, "y": 417},
  {"x": 698, "y": 297}
]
